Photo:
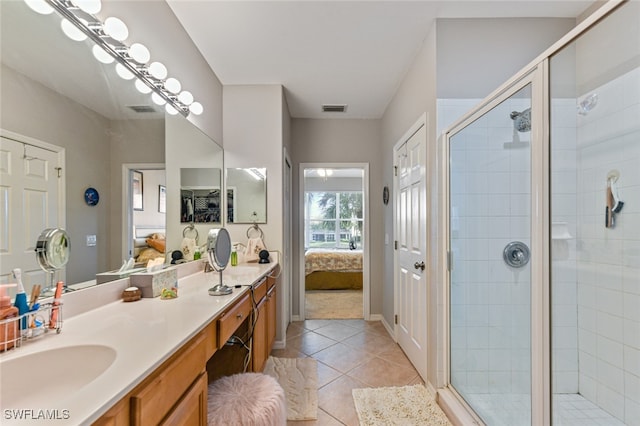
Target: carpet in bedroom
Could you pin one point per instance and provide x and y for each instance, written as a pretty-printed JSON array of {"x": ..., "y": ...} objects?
[{"x": 333, "y": 304}]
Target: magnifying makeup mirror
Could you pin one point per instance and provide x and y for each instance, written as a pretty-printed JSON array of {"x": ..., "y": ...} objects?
[
  {"x": 52, "y": 252},
  {"x": 219, "y": 253}
]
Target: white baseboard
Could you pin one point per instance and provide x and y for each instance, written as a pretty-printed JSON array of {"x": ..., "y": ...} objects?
[
  {"x": 279, "y": 344},
  {"x": 375, "y": 317},
  {"x": 295, "y": 318},
  {"x": 391, "y": 330}
]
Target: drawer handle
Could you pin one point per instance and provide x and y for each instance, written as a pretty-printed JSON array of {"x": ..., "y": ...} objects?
[{"x": 239, "y": 316}]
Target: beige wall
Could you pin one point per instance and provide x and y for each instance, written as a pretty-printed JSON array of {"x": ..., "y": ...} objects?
[
  {"x": 341, "y": 141},
  {"x": 255, "y": 122},
  {"x": 475, "y": 56},
  {"x": 416, "y": 96}
]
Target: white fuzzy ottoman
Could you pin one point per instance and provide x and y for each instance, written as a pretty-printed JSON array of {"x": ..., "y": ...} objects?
[{"x": 247, "y": 399}]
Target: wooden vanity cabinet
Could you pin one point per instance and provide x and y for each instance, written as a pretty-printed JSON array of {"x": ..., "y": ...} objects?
[
  {"x": 175, "y": 393},
  {"x": 265, "y": 330}
]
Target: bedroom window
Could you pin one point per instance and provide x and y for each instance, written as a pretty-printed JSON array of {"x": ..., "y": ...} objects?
[{"x": 334, "y": 219}]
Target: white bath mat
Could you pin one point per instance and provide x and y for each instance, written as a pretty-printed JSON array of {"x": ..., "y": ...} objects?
[
  {"x": 299, "y": 379},
  {"x": 407, "y": 405}
]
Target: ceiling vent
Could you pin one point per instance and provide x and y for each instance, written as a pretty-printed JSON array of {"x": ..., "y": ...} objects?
[
  {"x": 334, "y": 108},
  {"x": 142, "y": 108}
]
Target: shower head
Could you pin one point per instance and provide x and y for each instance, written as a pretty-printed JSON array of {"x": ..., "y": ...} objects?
[
  {"x": 521, "y": 120},
  {"x": 515, "y": 142}
]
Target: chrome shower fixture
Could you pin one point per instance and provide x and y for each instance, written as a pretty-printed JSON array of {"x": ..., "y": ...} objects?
[
  {"x": 521, "y": 120},
  {"x": 588, "y": 103}
]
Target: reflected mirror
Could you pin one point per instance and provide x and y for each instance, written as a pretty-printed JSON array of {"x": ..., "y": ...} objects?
[
  {"x": 200, "y": 196},
  {"x": 61, "y": 118},
  {"x": 246, "y": 195}
]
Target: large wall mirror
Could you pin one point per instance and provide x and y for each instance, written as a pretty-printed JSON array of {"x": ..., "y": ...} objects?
[
  {"x": 73, "y": 122},
  {"x": 246, "y": 195}
]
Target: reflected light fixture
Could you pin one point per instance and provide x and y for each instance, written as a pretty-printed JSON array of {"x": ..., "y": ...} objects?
[
  {"x": 79, "y": 23},
  {"x": 101, "y": 55},
  {"x": 39, "y": 6},
  {"x": 124, "y": 73},
  {"x": 89, "y": 6},
  {"x": 257, "y": 174},
  {"x": 139, "y": 53},
  {"x": 196, "y": 108},
  {"x": 72, "y": 31},
  {"x": 185, "y": 97},
  {"x": 172, "y": 85},
  {"x": 142, "y": 88},
  {"x": 115, "y": 28}
]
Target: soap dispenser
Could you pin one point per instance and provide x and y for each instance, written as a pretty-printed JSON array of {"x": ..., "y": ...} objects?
[
  {"x": 8, "y": 328},
  {"x": 234, "y": 256}
]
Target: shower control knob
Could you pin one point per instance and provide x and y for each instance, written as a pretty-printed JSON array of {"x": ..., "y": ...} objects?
[
  {"x": 516, "y": 254},
  {"x": 419, "y": 265}
]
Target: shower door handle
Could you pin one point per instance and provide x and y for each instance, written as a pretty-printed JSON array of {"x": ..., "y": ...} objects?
[{"x": 419, "y": 265}]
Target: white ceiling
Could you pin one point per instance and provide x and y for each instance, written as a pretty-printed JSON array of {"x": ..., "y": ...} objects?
[{"x": 332, "y": 52}]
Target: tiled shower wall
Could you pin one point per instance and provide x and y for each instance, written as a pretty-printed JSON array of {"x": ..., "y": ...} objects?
[{"x": 609, "y": 258}]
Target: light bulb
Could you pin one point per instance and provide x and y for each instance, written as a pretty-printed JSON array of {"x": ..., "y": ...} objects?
[
  {"x": 157, "y": 99},
  {"x": 39, "y": 6},
  {"x": 116, "y": 29},
  {"x": 123, "y": 72},
  {"x": 139, "y": 53},
  {"x": 142, "y": 88},
  {"x": 172, "y": 85},
  {"x": 71, "y": 31},
  {"x": 101, "y": 55},
  {"x": 158, "y": 70},
  {"x": 89, "y": 6},
  {"x": 196, "y": 108},
  {"x": 170, "y": 109},
  {"x": 185, "y": 97}
]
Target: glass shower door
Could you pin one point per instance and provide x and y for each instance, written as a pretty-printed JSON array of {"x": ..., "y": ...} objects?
[{"x": 490, "y": 281}]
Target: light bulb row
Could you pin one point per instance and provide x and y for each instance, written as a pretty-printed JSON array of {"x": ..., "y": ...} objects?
[{"x": 149, "y": 77}]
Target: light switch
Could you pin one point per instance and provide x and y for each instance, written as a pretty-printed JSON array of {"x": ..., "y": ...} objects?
[
  {"x": 386, "y": 239},
  {"x": 91, "y": 240}
]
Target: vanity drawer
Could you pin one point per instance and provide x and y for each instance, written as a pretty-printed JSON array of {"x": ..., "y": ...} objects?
[
  {"x": 231, "y": 320},
  {"x": 260, "y": 290},
  {"x": 158, "y": 396}
]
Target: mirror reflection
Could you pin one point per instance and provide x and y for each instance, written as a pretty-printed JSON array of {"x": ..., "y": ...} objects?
[
  {"x": 61, "y": 119},
  {"x": 200, "y": 195},
  {"x": 246, "y": 195}
]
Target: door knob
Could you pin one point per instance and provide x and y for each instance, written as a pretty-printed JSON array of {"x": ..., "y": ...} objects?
[{"x": 419, "y": 265}]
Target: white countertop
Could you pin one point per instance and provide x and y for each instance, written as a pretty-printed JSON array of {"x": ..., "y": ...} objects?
[{"x": 144, "y": 334}]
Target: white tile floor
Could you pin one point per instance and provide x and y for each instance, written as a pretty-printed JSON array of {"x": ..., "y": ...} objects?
[{"x": 513, "y": 410}]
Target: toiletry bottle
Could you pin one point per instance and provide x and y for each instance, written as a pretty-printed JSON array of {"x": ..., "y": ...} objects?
[
  {"x": 8, "y": 328},
  {"x": 53, "y": 320},
  {"x": 21, "y": 299},
  {"x": 196, "y": 254},
  {"x": 234, "y": 256}
]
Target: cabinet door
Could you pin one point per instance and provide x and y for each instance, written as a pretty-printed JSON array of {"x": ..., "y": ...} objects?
[
  {"x": 191, "y": 410},
  {"x": 271, "y": 318},
  {"x": 259, "y": 348}
]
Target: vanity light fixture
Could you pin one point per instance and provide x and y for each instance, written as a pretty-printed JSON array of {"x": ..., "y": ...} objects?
[{"x": 79, "y": 23}]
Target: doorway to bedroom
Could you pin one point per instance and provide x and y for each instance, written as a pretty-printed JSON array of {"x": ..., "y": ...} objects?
[{"x": 334, "y": 236}]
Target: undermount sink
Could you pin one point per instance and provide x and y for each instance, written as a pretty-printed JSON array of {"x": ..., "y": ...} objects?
[{"x": 41, "y": 378}]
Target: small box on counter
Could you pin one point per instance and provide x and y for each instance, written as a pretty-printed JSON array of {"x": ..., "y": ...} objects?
[{"x": 152, "y": 283}]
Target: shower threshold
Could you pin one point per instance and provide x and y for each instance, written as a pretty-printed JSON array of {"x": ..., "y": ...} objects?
[{"x": 513, "y": 409}]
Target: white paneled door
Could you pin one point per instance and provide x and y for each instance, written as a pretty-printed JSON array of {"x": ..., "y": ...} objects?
[
  {"x": 411, "y": 240},
  {"x": 30, "y": 192}
]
